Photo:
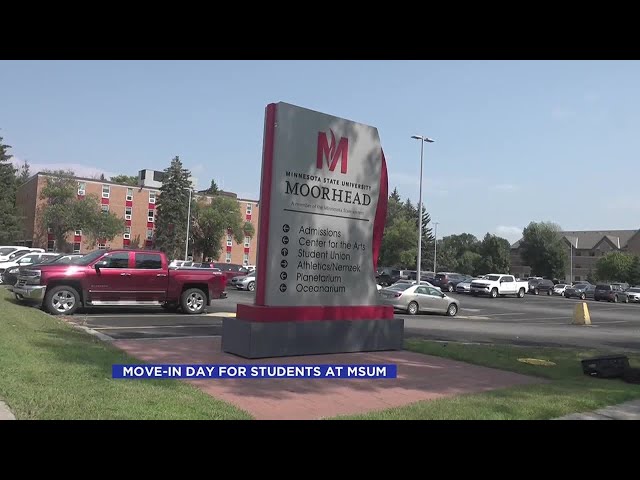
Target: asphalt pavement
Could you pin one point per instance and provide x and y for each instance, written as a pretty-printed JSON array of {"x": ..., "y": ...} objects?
[{"x": 533, "y": 320}]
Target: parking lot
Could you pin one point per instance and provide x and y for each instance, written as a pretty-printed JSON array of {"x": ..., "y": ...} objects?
[{"x": 539, "y": 320}]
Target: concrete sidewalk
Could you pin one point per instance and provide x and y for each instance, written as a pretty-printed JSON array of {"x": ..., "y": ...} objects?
[
  {"x": 5, "y": 413},
  {"x": 624, "y": 411}
]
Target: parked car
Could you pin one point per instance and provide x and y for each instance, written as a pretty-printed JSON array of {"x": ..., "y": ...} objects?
[
  {"x": 12, "y": 252},
  {"x": 496, "y": 285},
  {"x": 559, "y": 289},
  {"x": 543, "y": 285},
  {"x": 230, "y": 270},
  {"x": 119, "y": 278},
  {"x": 245, "y": 282},
  {"x": 465, "y": 285},
  {"x": 634, "y": 294},
  {"x": 447, "y": 281},
  {"x": 418, "y": 298},
  {"x": 611, "y": 292},
  {"x": 9, "y": 275},
  {"x": 580, "y": 290},
  {"x": 387, "y": 276}
]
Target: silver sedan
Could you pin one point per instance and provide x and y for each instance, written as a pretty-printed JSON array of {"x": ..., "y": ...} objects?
[{"x": 419, "y": 298}]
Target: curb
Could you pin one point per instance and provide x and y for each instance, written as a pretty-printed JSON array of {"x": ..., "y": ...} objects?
[
  {"x": 90, "y": 331},
  {"x": 5, "y": 413}
]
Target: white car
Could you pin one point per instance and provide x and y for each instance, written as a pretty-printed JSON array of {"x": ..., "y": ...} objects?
[
  {"x": 559, "y": 289},
  {"x": 496, "y": 285},
  {"x": 12, "y": 252},
  {"x": 633, "y": 294},
  {"x": 24, "y": 261}
]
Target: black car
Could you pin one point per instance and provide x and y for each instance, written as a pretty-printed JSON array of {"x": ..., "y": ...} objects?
[
  {"x": 539, "y": 286},
  {"x": 580, "y": 290},
  {"x": 387, "y": 276}
]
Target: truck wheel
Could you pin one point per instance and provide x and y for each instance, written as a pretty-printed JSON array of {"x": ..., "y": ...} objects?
[
  {"x": 536, "y": 292},
  {"x": 62, "y": 300},
  {"x": 252, "y": 286},
  {"x": 521, "y": 293},
  {"x": 494, "y": 293},
  {"x": 615, "y": 299},
  {"x": 193, "y": 301},
  {"x": 412, "y": 309},
  {"x": 582, "y": 296},
  {"x": 549, "y": 292}
]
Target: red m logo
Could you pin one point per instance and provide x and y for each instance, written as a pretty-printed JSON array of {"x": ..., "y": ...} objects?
[{"x": 332, "y": 152}]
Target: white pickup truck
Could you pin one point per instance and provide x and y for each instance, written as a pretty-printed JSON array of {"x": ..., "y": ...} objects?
[{"x": 495, "y": 285}]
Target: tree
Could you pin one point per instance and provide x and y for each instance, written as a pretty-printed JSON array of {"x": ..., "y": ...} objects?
[
  {"x": 614, "y": 267},
  {"x": 130, "y": 180},
  {"x": 458, "y": 253},
  {"x": 544, "y": 250},
  {"x": 634, "y": 271},
  {"x": 63, "y": 213},
  {"x": 24, "y": 172},
  {"x": 213, "y": 188},
  {"x": 212, "y": 222},
  {"x": 494, "y": 255},
  {"x": 172, "y": 207},
  {"x": 10, "y": 221}
]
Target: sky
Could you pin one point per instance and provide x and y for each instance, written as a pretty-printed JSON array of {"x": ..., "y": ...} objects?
[{"x": 515, "y": 141}]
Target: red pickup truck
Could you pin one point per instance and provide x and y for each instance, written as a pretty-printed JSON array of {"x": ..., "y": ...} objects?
[{"x": 119, "y": 278}]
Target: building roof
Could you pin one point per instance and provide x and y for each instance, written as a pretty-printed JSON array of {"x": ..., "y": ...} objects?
[{"x": 588, "y": 239}]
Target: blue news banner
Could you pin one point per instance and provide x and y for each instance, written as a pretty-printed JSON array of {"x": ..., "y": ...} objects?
[{"x": 205, "y": 371}]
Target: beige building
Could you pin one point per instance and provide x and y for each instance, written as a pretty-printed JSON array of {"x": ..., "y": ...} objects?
[
  {"x": 584, "y": 248},
  {"x": 136, "y": 206}
]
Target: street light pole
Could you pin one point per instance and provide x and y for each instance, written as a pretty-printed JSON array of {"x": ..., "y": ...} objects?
[
  {"x": 435, "y": 246},
  {"x": 186, "y": 247},
  {"x": 422, "y": 140}
]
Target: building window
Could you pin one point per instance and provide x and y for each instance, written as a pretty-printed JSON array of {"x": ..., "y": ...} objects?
[
  {"x": 129, "y": 194},
  {"x": 149, "y": 234},
  {"x": 228, "y": 259},
  {"x": 247, "y": 242},
  {"x": 578, "y": 266},
  {"x": 78, "y": 233},
  {"x": 127, "y": 233},
  {"x": 101, "y": 246},
  {"x": 76, "y": 247},
  {"x": 152, "y": 197},
  {"x": 249, "y": 207},
  {"x": 592, "y": 254},
  {"x": 229, "y": 240},
  {"x": 150, "y": 216},
  {"x": 127, "y": 213},
  {"x": 82, "y": 188},
  {"x": 106, "y": 191},
  {"x": 158, "y": 176},
  {"x": 51, "y": 245},
  {"x": 577, "y": 278},
  {"x": 245, "y": 259},
  {"x": 105, "y": 209}
]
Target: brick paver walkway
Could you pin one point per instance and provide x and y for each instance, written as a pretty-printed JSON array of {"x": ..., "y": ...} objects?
[{"x": 420, "y": 377}]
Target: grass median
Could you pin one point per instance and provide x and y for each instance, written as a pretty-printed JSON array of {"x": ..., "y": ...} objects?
[
  {"x": 567, "y": 391},
  {"x": 49, "y": 370}
]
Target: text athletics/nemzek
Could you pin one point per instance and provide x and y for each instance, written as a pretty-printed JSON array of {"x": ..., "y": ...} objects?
[{"x": 327, "y": 267}]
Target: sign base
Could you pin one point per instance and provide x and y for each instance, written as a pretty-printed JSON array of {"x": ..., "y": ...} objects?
[{"x": 251, "y": 339}]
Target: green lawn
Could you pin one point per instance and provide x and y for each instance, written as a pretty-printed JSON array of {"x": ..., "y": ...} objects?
[
  {"x": 49, "y": 370},
  {"x": 567, "y": 391}
]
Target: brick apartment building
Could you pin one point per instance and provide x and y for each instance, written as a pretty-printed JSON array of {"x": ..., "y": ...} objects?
[
  {"x": 136, "y": 206},
  {"x": 584, "y": 248}
]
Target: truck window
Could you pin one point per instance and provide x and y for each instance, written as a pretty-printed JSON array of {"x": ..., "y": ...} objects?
[
  {"x": 508, "y": 279},
  {"x": 148, "y": 261},
  {"x": 117, "y": 260}
]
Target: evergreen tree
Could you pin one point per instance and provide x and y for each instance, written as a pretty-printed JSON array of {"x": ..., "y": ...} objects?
[
  {"x": 23, "y": 173},
  {"x": 172, "y": 207},
  {"x": 10, "y": 224}
]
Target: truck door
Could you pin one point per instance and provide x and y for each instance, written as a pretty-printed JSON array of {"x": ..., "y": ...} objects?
[
  {"x": 150, "y": 278},
  {"x": 508, "y": 285},
  {"x": 110, "y": 282}
]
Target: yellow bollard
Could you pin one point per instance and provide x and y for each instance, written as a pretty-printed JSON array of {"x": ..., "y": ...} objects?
[{"x": 581, "y": 314}]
